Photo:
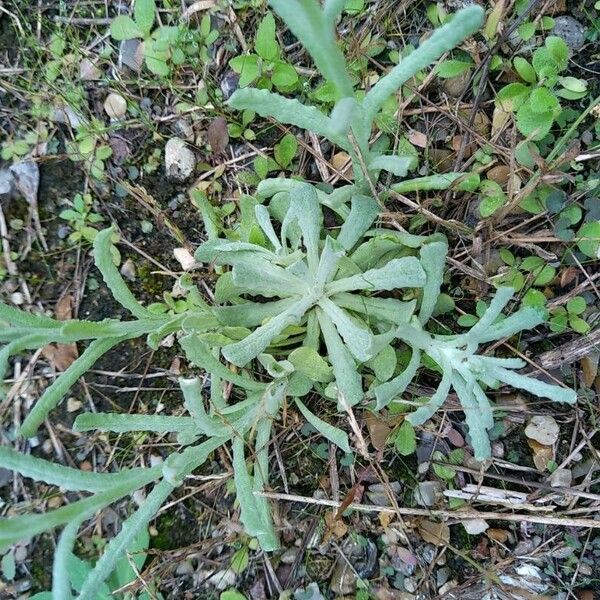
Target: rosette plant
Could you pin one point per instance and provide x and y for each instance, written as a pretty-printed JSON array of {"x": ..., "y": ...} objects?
[{"x": 298, "y": 307}]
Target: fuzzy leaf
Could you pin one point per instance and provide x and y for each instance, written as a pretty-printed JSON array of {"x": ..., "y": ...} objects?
[
  {"x": 333, "y": 434},
  {"x": 363, "y": 212},
  {"x": 464, "y": 23},
  {"x": 285, "y": 110}
]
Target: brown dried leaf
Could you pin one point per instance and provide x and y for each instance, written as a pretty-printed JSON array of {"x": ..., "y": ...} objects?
[
  {"x": 499, "y": 535},
  {"x": 434, "y": 533},
  {"x": 334, "y": 527},
  {"x": 568, "y": 275},
  {"x": 418, "y": 139},
  {"x": 542, "y": 455},
  {"x": 379, "y": 431},
  {"x": 589, "y": 366},
  {"x": 60, "y": 356},
  {"x": 218, "y": 135}
]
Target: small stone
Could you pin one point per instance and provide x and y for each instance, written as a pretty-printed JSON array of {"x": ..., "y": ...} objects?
[
  {"x": 115, "y": 106},
  {"x": 585, "y": 569},
  {"x": 128, "y": 270},
  {"x": 410, "y": 584},
  {"x": 180, "y": 161},
  {"x": 184, "y": 568},
  {"x": 17, "y": 298},
  {"x": 543, "y": 429},
  {"x": 447, "y": 587},
  {"x": 379, "y": 493},
  {"x": 475, "y": 526},
  {"x": 86, "y": 465},
  {"x": 427, "y": 492},
  {"x": 497, "y": 449},
  {"x": 561, "y": 478},
  {"x": 73, "y": 405},
  {"x": 7, "y": 183},
  {"x": 570, "y": 30},
  {"x": 55, "y": 501},
  {"x": 139, "y": 496},
  {"x": 20, "y": 554},
  {"x": 442, "y": 575}
]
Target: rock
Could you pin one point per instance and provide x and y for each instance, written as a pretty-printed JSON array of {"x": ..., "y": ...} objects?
[
  {"x": 67, "y": 116},
  {"x": 378, "y": 493},
  {"x": 561, "y": 478},
  {"x": 363, "y": 560},
  {"x": 115, "y": 106},
  {"x": 128, "y": 270},
  {"x": 131, "y": 55},
  {"x": 441, "y": 576},
  {"x": 570, "y": 30},
  {"x": 427, "y": 492},
  {"x": 180, "y": 161},
  {"x": 444, "y": 589},
  {"x": 229, "y": 84},
  {"x": 7, "y": 183},
  {"x": 543, "y": 429},
  {"x": 475, "y": 526},
  {"x": 410, "y": 584}
]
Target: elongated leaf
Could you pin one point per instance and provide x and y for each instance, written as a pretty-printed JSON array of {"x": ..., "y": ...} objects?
[
  {"x": 437, "y": 182},
  {"x": 314, "y": 29},
  {"x": 357, "y": 337},
  {"x": 199, "y": 353},
  {"x": 333, "y": 434},
  {"x": 242, "y": 352},
  {"x": 24, "y": 527},
  {"x": 347, "y": 377},
  {"x": 386, "y": 392},
  {"x": 224, "y": 252},
  {"x": 61, "y": 580},
  {"x": 68, "y": 478},
  {"x": 534, "y": 386},
  {"x": 250, "y": 515},
  {"x": 330, "y": 256},
  {"x": 59, "y": 388},
  {"x": 192, "y": 394},
  {"x": 112, "y": 277},
  {"x": 397, "y": 165},
  {"x": 250, "y": 314},
  {"x": 124, "y": 423},
  {"x": 264, "y": 221},
  {"x": 260, "y": 277},
  {"x": 131, "y": 528},
  {"x": 363, "y": 212},
  {"x": 433, "y": 260},
  {"x": 464, "y": 23},
  {"x": 291, "y": 112},
  {"x": 305, "y": 207},
  {"x": 398, "y": 273},
  {"x": 208, "y": 213},
  {"x": 425, "y": 412},
  {"x": 524, "y": 318},
  {"x": 494, "y": 310},
  {"x": 332, "y": 9},
  {"x": 19, "y": 318},
  {"x": 477, "y": 430},
  {"x": 389, "y": 310}
]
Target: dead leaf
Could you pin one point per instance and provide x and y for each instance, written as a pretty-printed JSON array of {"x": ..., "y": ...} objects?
[
  {"x": 418, "y": 139},
  {"x": 379, "y": 431},
  {"x": 500, "y": 174},
  {"x": 218, "y": 135},
  {"x": 542, "y": 455},
  {"x": 342, "y": 164},
  {"x": 543, "y": 429},
  {"x": 434, "y": 533},
  {"x": 499, "y": 120},
  {"x": 568, "y": 275},
  {"x": 499, "y": 535},
  {"x": 61, "y": 356},
  {"x": 197, "y": 7},
  {"x": 334, "y": 527},
  {"x": 589, "y": 367},
  {"x": 385, "y": 518}
]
